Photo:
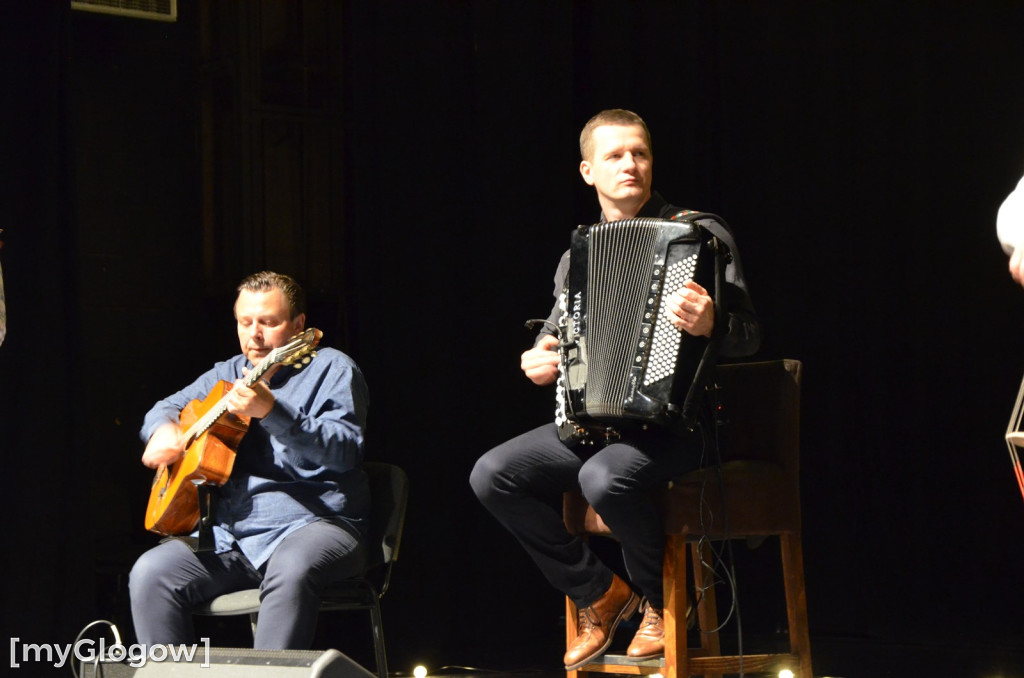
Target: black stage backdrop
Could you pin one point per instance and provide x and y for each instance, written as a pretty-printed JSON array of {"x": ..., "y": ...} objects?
[{"x": 860, "y": 150}]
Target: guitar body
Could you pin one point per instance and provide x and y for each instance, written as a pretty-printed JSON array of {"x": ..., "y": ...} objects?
[{"x": 173, "y": 499}]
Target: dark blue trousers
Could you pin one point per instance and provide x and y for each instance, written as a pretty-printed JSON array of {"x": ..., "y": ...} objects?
[
  {"x": 169, "y": 580},
  {"x": 521, "y": 483}
]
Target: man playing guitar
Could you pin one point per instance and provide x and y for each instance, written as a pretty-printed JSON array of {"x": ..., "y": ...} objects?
[{"x": 290, "y": 517}]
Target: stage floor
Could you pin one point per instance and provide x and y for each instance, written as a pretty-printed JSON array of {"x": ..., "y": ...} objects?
[
  {"x": 835, "y": 658},
  {"x": 537, "y": 652}
]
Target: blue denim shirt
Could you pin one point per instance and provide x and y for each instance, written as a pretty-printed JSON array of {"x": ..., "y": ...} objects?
[{"x": 300, "y": 463}]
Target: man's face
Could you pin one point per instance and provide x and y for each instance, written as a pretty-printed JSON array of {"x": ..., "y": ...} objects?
[
  {"x": 620, "y": 168},
  {"x": 264, "y": 322}
]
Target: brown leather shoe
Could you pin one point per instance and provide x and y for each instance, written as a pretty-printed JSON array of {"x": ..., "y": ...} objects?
[
  {"x": 649, "y": 641},
  {"x": 597, "y": 623}
]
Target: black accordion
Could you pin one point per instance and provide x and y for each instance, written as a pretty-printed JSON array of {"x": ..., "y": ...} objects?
[{"x": 622, "y": 362}]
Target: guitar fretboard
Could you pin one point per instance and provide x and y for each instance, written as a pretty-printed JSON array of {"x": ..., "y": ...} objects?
[{"x": 203, "y": 423}]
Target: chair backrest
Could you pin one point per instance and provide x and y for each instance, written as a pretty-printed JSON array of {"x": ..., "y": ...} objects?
[
  {"x": 389, "y": 496},
  {"x": 760, "y": 411},
  {"x": 756, "y": 490}
]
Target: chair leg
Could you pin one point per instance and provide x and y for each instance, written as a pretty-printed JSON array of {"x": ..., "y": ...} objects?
[
  {"x": 674, "y": 582},
  {"x": 796, "y": 601},
  {"x": 707, "y": 601},
  {"x": 571, "y": 631},
  {"x": 253, "y": 619},
  {"x": 378, "y": 640},
  {"x": 677, "y": 654}
]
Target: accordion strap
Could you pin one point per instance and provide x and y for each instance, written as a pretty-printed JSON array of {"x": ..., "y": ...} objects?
[{"x": 691, "y": 404}]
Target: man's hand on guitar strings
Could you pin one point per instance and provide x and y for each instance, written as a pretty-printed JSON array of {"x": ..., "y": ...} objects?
[{"x": 164, "y": 448}]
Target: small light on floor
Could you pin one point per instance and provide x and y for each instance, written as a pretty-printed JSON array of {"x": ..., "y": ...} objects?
[
  {"x": 785, "y": 673},
  {"x": 420, "y": 671}
]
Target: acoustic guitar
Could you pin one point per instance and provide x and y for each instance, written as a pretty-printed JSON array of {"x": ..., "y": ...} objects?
[{"x": 211, "y": 435}]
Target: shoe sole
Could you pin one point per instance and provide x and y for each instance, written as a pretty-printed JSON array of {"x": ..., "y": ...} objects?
[{"x": 625, "y": 613}]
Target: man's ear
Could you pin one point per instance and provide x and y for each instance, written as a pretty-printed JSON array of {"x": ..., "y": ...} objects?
[
  {"x": 585, "y": 172},
  {"x": 300, "y": 322}
]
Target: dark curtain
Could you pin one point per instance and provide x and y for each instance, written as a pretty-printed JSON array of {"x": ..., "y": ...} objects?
[{"x": 859, "y": 150}]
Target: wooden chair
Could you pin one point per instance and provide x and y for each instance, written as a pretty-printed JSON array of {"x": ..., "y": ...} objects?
[
  {"x": 389, "y": 491},
  {"x": 755, "y": 495}
]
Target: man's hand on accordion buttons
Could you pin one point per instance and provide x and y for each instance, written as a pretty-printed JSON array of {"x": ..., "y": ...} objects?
[
  {"x": 693, "y": 308},
  {"x": 540, "y": 363}
]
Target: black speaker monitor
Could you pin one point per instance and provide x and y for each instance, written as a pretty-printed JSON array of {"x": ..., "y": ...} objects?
[{"x": 242, "y": 663}]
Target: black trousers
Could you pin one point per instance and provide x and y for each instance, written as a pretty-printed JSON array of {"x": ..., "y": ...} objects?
[{"x": 521, "y": 483}]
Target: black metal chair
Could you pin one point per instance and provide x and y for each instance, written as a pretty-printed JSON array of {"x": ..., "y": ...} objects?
[{"x": 389, "y": 491}]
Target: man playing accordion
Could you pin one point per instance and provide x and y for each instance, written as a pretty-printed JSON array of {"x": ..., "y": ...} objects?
[{"x": 517, "y": 480}]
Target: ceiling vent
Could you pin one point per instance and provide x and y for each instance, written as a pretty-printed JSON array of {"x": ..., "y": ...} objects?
[{"x": 155, "y": 10}]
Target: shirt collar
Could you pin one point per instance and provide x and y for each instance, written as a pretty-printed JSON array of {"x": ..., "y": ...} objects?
[{"x": 652, "y": 209}]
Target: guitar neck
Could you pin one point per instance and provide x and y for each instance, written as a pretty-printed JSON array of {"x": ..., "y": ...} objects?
[
  {"x": 203, "y": 423},
  {"x": 299, "y": 348}
]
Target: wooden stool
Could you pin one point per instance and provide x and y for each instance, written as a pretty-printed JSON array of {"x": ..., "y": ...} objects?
[{"x": 755, "y": 494}]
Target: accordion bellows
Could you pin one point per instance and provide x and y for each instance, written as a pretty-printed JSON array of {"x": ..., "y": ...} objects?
[{"x": 621, "y": 357}]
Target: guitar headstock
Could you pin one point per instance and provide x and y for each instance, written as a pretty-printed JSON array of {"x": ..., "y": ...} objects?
[{"x": 299, "y": 349}]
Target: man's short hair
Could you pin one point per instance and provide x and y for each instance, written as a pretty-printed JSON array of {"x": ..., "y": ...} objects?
[
  {"x": 264, "y": 281},
  {"x": 612, "y": 116}
]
